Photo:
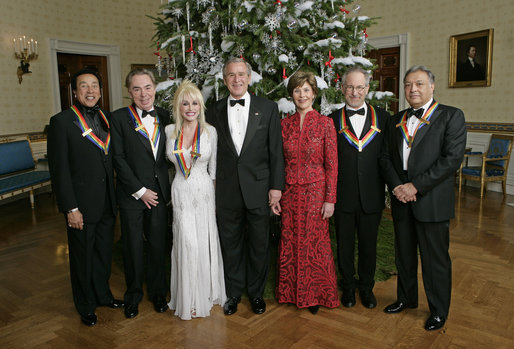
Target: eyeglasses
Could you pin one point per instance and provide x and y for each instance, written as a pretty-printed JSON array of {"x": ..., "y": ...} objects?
[{"x": 354, "y": 88}]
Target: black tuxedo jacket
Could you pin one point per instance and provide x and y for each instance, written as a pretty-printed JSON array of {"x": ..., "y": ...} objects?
[
  {"x": 260, "y": 166},
  {"x": 437, "y": 152},
  {"x": 466, "y": 72},
  {"x": 359, "y": 177},
  {"x": 134, "y": 162},
  {"x": 82, "y": 174}
]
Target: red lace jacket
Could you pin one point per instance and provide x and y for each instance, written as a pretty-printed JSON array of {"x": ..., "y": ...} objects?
[{"x": 311, "y": 154}]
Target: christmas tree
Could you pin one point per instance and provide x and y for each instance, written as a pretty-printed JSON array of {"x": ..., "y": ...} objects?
[{"x": 195, "y": 37}]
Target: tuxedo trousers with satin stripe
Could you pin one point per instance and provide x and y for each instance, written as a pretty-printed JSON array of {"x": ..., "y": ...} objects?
[
  {"x": 144, "y": 228},
  {"x": 433, "y": 239},
  {"x": 90, "y": 255},
  {"x": 244, "y": 239}
]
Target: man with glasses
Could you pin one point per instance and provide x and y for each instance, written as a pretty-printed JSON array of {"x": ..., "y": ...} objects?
[
  {"x": 422, "y": 151},
  {"x": 360, "y": 188}
]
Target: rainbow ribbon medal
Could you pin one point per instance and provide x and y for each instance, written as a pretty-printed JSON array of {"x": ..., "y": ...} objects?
[
  {"x": 425, "y": 120},
  {"x": 88, "y": 132},
  {"x": 359, "y": 144},
  {"x": 195, "y": 151},
  {"x": 139, "y": 127}
]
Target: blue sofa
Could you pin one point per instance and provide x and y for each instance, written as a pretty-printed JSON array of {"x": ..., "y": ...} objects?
[{"x": 18, "y": 171}]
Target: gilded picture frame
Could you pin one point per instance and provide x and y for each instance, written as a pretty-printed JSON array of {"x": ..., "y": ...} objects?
[{"x": 471, "y": 58}]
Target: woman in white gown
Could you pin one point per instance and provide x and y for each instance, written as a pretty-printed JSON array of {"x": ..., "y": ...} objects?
[{"x": 197, "y": 279}]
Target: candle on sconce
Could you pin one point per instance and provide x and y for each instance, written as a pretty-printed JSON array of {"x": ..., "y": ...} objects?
[
  {"x": 24, "y": 42},
  {"x": 15, "y": 46},
  {"x": 32, "y": 46},
  {"x": 36, "y": 52}
]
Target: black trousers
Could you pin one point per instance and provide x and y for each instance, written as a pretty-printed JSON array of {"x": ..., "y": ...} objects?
[
  {"x": 140, "y": 227},
  {"x": 365, "y": 227},
  {"x": 433, "y": 239},
  {"x": 90, "y": 255},
  {"x": 244, "y": 238}
]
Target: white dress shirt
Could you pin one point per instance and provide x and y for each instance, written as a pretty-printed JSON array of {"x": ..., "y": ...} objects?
[
  {"x": 148, "y": 123},
  {"x": 238, "y": 120},
  {"x": 412, "y": 124},
  {"x": 358, "y": 120}
]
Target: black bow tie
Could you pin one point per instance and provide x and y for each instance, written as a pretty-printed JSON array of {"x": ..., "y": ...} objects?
[
  {"x": 417, "y": 113},
  {"x": 236, "y": 101},
  {"x": 93, "y": 109},
  {"x": 152, "y": 113},
  {"x": 351, "y": 112}
]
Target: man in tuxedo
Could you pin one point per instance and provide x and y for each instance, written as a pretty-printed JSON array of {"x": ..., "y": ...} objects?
[
  {"x": 143, "y": 190},
  {"x": 424, "y": 148},
  {"x": 360, "y": 187},
  {"x": 249, "y": 180},
  {"x": 470, "y": 70},
  {"x": 80, "y": 160}
]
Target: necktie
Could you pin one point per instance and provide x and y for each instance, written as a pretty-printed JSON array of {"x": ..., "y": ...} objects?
[
  {"x": 236, "y": 101},
  {"x": 151, "y": 113},
  {"x": 417, "y": 113},
  {"x": 351, "y": 112}
]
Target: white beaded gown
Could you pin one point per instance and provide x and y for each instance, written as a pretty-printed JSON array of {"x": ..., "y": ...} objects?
[{"x": 197, "y": 279}]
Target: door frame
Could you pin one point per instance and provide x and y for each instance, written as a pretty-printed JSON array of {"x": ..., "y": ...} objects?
[
  {"x": 402, "y": 41},
  {"x": 112, "y": 53}
]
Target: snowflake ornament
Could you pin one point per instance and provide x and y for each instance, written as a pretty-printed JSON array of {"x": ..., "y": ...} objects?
[
  {"x": 291, "y": 63},
  {"x": 272, "y": 22},
  {"x": 203, "y": 3},
  {"x": 273, "y": 44},
  {"x": 194, "y": 71},
  {"x": 177, "y": 12}
]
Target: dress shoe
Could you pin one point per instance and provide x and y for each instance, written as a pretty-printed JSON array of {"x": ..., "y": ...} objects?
[
  {"x": 159, "y": 304},
  {"x": 348, "y": 298},
  {"x": 398, "y": 307},
  {"x": 114, "y": 303},
  {"x": 314, "y": 309},
  {"x": 230, "y": 306},
  {"x": 131, "y": 311},
  {"x": 434, "y": 322},
  {"x": 89, "y": 319},
  {"x": 368, "y": 299},
  {"x": 258, "y": 305}
]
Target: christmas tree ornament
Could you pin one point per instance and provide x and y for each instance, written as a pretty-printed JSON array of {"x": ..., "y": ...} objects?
[
  {"x": 271, "y": 22},
  {"x": 272, "y": 71},
  {"x": 292, "y": 25},
  {"x": 356, "y": 8}
]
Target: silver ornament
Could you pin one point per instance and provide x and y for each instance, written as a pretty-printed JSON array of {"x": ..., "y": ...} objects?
[
  {"x": 292, "y": 25},
  {"x": 243, "y": 24},
  {"x": 256, "y": 57},
  {"x": 272, "y": 71}
]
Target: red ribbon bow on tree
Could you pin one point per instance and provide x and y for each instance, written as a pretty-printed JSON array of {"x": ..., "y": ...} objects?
[
  {"x": 330, "y": 58},
  {"x": 284, "y": 76},
  {"x": 158, "y": 49},
  {"x": 342, "y": 9},
  {"x": 365, "y": 34},
  {"x": 191, "y": 45}
]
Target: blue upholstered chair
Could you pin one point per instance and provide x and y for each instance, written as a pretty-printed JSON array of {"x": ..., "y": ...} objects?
[{"x": 495, "y": 164}]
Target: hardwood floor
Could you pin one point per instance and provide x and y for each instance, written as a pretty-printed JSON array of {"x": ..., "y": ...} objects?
[{"x": 36, "y": 308}]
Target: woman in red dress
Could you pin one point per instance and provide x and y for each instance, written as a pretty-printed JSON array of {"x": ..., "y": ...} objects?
[{"x": 306, "y": 273}]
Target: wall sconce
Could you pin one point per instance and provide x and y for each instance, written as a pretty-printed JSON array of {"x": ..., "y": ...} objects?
[{"x": 26, "y": 51}]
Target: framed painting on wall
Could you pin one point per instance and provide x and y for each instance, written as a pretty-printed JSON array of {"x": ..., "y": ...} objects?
[{"x": 471, "y": 58}]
